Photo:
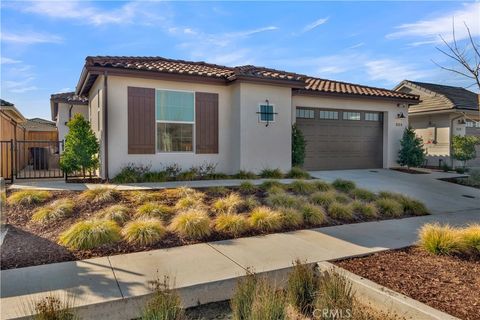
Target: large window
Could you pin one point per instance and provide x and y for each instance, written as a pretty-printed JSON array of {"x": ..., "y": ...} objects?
[
  {"x": 329, "y": 115},
  {"x": 351, "y": 116},
  {"x": 304, "y": 113},
  {"x": 175, "y": 120}
]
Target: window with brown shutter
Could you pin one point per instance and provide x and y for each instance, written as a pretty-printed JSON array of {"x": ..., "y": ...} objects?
[
  {"x": 141, "y": 120},
  {"x": 206, "y": 122}
]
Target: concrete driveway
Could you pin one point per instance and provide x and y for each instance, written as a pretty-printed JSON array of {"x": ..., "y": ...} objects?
[{"x": 439, "y": 196}]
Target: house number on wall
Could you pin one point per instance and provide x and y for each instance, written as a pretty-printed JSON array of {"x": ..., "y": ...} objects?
[{"x": 399, "y": 124}]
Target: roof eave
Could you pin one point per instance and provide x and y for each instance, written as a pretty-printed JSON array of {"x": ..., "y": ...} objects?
[
  {"x": 294, "y": 84},
  {"x": 315, "y": 93}
]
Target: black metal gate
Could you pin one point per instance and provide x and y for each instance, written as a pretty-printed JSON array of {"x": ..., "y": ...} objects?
[
  {"x": 7, "y": 160},
  {"x": 38, "y": 159}
]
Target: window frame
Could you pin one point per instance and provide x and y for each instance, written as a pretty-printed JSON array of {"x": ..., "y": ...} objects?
[
  {"x": 157, "y": 150},
  {"x": 260, "y": 113},
  {"x": 329, "y": 110},
  {"x": 304, "y": 109},
  {"x": 348, "y": 112},
  {"x": 379, "y": 116}
]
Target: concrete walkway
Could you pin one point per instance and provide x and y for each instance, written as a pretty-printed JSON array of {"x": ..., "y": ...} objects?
[{"x": 115, "y": 278}]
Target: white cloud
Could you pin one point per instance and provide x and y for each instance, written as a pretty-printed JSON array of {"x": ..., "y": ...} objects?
[
  {"x": 315, "y": 24},
  {"x": 23, "y": 89},
  {"x": 30, "y": 38},
  {"x": 5, "y": 60},
  {"x": 19, "y": 86},
  {"x": 358, "y": 45},
  {"x": 64, "y": 90},
  {"x": 431, "y": 29},
  {"x": 393, "y": 71}
]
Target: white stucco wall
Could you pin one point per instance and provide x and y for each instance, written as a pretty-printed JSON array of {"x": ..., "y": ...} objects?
[
  {"x": 393, "y": 127},
  {"x": 96, "y": 111},
  {"x": 63, "y": 116}
]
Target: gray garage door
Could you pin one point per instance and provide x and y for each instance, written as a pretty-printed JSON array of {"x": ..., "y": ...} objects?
[{"x": 341, "y": 139}]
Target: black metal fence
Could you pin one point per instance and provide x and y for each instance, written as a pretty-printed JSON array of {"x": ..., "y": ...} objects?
[
  {"x": 38, "y": 159},
  {"x": 7, "y": 160}
]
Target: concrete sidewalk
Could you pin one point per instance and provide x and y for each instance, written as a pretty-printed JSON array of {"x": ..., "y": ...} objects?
[{"x": 117, "y": 278}]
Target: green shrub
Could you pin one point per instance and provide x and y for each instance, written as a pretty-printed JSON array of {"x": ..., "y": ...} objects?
[
  {"x": 234, "y": 224},
  {"x": 268, "y": 303},
  {"x": 323, "y": 199},
  {"x": 186, "y": 176},
  {"x": 463, "y": 148},
  {"x": 363, "y": 194},
  {"x": 52, "y": 307},
  {"x": 250, "y": 203},
  {"x": 298, "y": 146},
  {"x": 246, "y": 175},
  {"x": 131, "y": 173},
  {"x": 155, "y": 176},
  {"x": 218, "y": 191},
  {"x": 334, "y": 293},
  {"x": 298, "y": 173},
  {"x": 340, "y": 211},
  {"x": 271, "y": 174},
  {"x": 247, "y": 187},
  {"x": 413, "y": 207},
  {"x": 216, "y": 176},
  {"x": 283, "y": 199},
  {"x": 470, "y": 240},
  {"x": 344, "y": 185},
  {"x": 313, "y": 215},
  {"x": 302, "y": 187},
  {"x": 291, "y": 217},
  {"x": 322, "y": 185},
  {"x": 367, "y": 210},
  {"x": 267, "y": 184},
  {"x": 143, "y": 231},
  {"x": 117, "y": 213},
  {"x": 389, "y": 207},
  {"x": 193, "y": 224},
  {"x": 264, "y": 219},
  {"x": 59, "y": 209},
  {"x": 302, "y": 288},
  {"x": 90, "y": 234},
  {"x": 228, "y": 204},
  {"x": 28, "y": 197},
  {"x": 411, "y": 153},
  {"x": 242, "y": 300},
  {"x": 155, "y": 210},
  {"x": 438, "y": 239},
  {"x": 100, "y": 195},
  {"x": 164, "y": 305}
]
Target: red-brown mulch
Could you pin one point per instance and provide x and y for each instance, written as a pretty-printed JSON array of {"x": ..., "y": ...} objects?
[
  {"x": 411, "y": 171},
  {"x": 450, "y": 284}
]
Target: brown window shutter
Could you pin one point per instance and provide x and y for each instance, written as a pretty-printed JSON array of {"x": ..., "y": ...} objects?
[
  {"x": 206, "y": 122},
  {"x": 141, "y": 120}
]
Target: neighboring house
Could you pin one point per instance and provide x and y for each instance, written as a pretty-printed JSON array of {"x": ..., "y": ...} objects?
[
  {"x": 11, "y": 129},
  {"x": 443, "y": 111},
  {"x": 40, "y": 130},
  {"x": 63, "y": 106},
  {"x": 156, "y": 111}
]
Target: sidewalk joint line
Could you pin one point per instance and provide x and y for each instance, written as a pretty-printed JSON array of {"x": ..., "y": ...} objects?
[
  {"x": 115, "y": 276},
  {"x": 238, "y": 264}
]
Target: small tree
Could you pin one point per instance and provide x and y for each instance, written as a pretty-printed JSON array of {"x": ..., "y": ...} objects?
[
  {"x": 298, "y": 147},
  {"x": 411, "y": 152},
  {"x": 81, "y": 147},
  {"x": 463, "y": 148}
]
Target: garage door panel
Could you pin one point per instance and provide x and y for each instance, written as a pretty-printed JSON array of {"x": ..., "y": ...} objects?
[{"x": 342, "y": 144}]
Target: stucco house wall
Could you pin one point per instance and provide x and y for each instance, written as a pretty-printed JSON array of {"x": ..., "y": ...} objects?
[
  {"x": 393, "y": 127},
  {"x": 96, "y": 112},
  {"x": 63, "y": 116}
]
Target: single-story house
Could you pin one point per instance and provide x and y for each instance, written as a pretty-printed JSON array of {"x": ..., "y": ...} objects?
[
  {"x": 156, "y": 111},
  {"x": 63, "y": 106},
  {"x": 443, "y": 111}
]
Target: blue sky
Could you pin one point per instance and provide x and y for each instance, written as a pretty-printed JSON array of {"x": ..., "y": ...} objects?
[{"x": 44, "y": 44}]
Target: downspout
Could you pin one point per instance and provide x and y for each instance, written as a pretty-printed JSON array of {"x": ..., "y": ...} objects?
[
  {"x": 105, "y": 121},
  {"x": 451, "y": 138},
  {"x": 70, "y": 113}
]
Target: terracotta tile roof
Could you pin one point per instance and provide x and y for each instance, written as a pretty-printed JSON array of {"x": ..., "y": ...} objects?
[
  {"x": 68, "y": 97},
  {"x": 301, "y": 83}
]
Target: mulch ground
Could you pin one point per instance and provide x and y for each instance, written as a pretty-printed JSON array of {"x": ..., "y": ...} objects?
[
  {"x": 447, "y": 283},
  {"x": 411, "y": 171}
]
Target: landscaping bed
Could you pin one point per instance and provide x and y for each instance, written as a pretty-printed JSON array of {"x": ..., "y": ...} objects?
[
  {"x": 448, "y": 283},
  {"x": 50, "y": 227},
  {"x": 411, "y": 171},
  {"x": 464, "y": 181}
]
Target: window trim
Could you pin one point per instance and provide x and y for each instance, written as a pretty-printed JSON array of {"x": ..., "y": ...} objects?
[
  {"x": 378, "y": 113},
  {"x": 260, "y": 114},
  {"x": 297, "y": 108},
  {"x": 346, "y": 119},
  {"x": 329, "y": 110},
  {"x": 157, "y": 151}
]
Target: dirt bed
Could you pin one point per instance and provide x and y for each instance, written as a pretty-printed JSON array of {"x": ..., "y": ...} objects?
[{"x": 450, "y": 284}]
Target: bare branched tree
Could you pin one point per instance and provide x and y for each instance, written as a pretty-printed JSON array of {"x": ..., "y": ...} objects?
[{"x": 466, "y": 58}]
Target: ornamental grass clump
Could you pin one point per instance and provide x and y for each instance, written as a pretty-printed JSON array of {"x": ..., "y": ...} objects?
[
  {"x": 192, "y": 223},
  {"x": 313, "y": 215},
  {"x": 363, "y": 194},
  {"x": 57, "y": 210},
  {"x": 242, "y": 300},
  {"x": 323, "y": 199},
  {"x": 340, "y": 211},
  {"x": 53, "y": 307},
  {"x": 165, "y": 304},
  {"x": 90, "y": 234},
  {"x": 118, "y": 213},
  {"x": 291, "y": 217},
  {"x": 334, "y": 294},
  {"x": 298, "y": 173},
  {"x": 265, "y": 219},
  {"x": 247, "y": 187},
  {"x": 438, "y": 239},
  {"x": 143, "y": 231},
  {"x": 250, "y": 203},
  {"x": 141, "y": 197},
  {"x": 268, "y": 184},
  {"x": 228, "y": 204},
  {"x": 189, "y": 202},
  {"x": 155, "y": 210},
  {"x": 268, "y": 303},
  {"x": 322, "y": 185},
  {"x": 232, "y": 224},
  {"x": 246, "y": 175},
  {"x": 413, "y": 206},
  {"x": 271, "y": 174},
  {"x": 367, "y": 210},
  {"x": 470, "y": 240},
  {"x": 100, "y": 195},
  {"x": 344, "y": 185},
  {"x": 218, "y": 191},
  {"x": 342, "y": 198},
  {"x": 28, "y": 197},
  {"x": 283, "y": 199},
  {"x": 302, "y": 287},
  {"x": 389, "y": 207},
  {"x": 302, "y": 187}
]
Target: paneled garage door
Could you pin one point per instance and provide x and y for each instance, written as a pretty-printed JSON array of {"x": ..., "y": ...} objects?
[{"x": 341, "y": 139}]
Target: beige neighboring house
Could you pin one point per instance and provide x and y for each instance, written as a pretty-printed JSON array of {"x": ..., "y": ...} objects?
[
  {"x": 443, "y": 111},
  {"x": 63, "y": 106},
  {"x": 156, "y": 111}
]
